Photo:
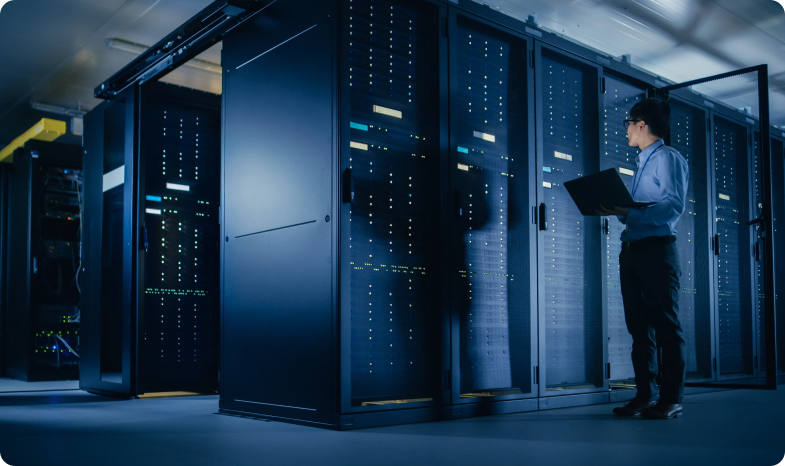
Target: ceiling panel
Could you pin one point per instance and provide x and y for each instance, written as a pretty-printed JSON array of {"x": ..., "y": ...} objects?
[{"x": 54, "y": 51}]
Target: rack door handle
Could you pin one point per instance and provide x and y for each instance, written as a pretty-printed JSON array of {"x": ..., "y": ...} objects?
[
  {"x": 145, "y": 243},
  {"x": 541, "y": 217},
  {"x": 348, "y": 187},
  {"x": 717, "y": 244}
]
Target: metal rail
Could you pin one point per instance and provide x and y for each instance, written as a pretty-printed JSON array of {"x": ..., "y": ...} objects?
[{"x": 184, "y": 43}]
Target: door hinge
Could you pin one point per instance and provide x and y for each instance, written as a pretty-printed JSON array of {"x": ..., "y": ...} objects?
[
  {"x": 531, "y": 58},
  {"x": 536, "y": 375}
]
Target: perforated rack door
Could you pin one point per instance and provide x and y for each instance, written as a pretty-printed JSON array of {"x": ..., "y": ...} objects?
[
  {"x": 619, "y": 97},
  {"x": 733, "y": 267},
  {"x": 688, "y": 136},
  {"x": 778, "y": 198},
  {"x": 491, "y": 254},
  {"x": 572, "y": 346},
  {"x": 181, "y": 147},
  {"x": 393, "y": 222}
]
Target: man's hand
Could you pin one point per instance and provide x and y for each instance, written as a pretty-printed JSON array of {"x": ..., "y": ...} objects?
[{"x": 623, "y": 211}]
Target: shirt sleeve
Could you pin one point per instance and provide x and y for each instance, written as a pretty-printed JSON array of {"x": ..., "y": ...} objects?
[{"x": 672, "y": 174}]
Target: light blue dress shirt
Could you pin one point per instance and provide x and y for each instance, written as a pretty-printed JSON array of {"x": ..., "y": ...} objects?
[{"x": 662, "y": 178}]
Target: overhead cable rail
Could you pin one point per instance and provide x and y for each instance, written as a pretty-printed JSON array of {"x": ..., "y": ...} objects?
[{"x": 187, "y": 41}]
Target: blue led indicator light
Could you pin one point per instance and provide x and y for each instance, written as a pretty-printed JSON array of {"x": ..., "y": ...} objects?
[
  {"x": 546, "y": 169},
  {"x": 359, "y": 126},
  {"x": 153, "y": 198},
  {"x": 463, "y": 150}
]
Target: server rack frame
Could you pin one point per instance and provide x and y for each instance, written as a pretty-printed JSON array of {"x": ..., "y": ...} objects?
[
  {"x": 606, "y": 240},
  {"x": 4, "y": 182},
  {"x": 750, "y": 301},
  {"x": 94, "y": 351},
  {"x": 498, "y": 404},
  {"x": 133, "y": 380},
  {"x": 22, "y": 306},
  {"x": 778, "y": 170},
  {"x": 708, "y": 218},
  {"x": 149, "y": 380},
  {"x": 581, "y": 396}
]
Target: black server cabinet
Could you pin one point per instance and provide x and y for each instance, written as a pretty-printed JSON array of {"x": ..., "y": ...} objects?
[
  {"x": 732, "y": 204},
  {"x": 108, "y": 325},
  {"x": 492, "y": 239},
  {"x": 689, "y": 135},
  {"x": 778, "y": 199},
  {"x": 759, "y": 249},
  {"x": 393, "y": 225},
  {"x": 333, "y": 263},
  {"x": 42, "y": 333},
  {"x": 619, "y": 97},
  {"x": 4, "y": 182},
  {"x": 151, "y": 323},
  {"x": 572, "y": 330}
]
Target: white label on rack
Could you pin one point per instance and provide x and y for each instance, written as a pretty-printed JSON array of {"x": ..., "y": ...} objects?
[
  {"x": 178, "y": 187},
  {"x": 114, "y": 178},
  {"x": 485, "y": 136}
]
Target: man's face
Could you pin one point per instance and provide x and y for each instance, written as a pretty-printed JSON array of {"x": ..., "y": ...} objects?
[{"x": 634, "y": 132}]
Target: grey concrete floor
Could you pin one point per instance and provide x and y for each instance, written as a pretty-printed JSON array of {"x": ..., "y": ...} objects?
[
  {"x": 11, "y": 385},
  {"x": 70, "y": 428}
]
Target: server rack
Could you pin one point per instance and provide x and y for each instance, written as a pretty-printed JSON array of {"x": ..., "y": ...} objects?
[
  {"x": 760, "y": 254},
  {"x": 732, "y": 201},
  {"x": 619, "y": 95},
  {"x": 492, "y": 239},
  {"x": 42, "y": 334},
  {"x": 573, "y": 348},
  {"x": 4, "y": 182},
  {"x": 153, "y": 324},
  {"x": 778, "y": 171},
  {"x": 688, "y": 135}
]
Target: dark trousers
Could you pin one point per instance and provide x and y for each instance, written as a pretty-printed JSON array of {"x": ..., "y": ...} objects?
[{"x": 650, "y": 292}]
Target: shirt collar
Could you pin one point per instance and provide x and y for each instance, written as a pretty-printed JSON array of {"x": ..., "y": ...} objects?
[{"x": 649, "y": 150}]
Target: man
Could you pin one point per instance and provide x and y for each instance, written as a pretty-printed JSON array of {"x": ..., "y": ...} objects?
[{"x": 649, "y": 264}]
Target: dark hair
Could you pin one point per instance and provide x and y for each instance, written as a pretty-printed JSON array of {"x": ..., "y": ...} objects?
[{"x": 656, "y": 113}]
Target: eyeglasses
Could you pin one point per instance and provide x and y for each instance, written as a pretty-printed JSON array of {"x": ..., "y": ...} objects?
[{"x": 627, "y": 123}]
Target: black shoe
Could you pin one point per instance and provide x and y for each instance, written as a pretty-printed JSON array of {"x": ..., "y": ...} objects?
[
  {"x": 633, "y": 407},
  {"x": 662, "y": 410}
]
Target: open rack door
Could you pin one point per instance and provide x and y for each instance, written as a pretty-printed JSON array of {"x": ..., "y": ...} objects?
[
  {"x": 735, "y": 363},
  {"x": 108, "y": 323}
]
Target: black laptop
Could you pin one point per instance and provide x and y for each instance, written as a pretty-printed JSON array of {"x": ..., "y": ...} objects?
[{"x": 604, "y": 188}]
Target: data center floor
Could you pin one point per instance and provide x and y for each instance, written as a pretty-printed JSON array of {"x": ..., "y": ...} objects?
[{"x": 739, "y": 427}]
